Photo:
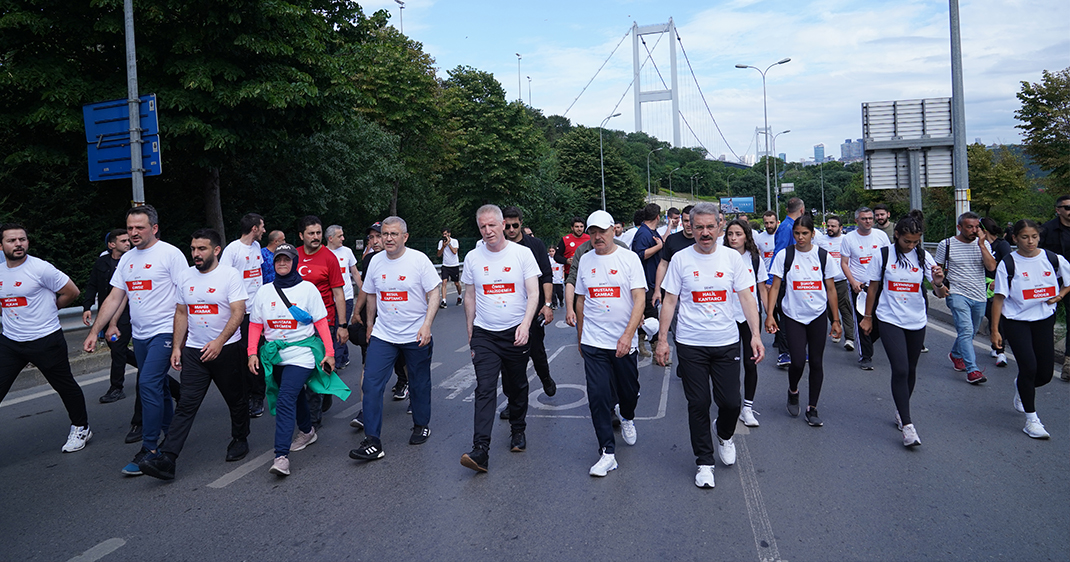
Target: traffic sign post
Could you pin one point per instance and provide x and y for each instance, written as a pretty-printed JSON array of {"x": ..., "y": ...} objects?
[{"x": 110, "y": 143}]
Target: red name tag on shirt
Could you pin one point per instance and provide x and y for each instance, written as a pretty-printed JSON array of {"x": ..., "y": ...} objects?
[
  {"x": 394, "y": 296},
  {"x": 145, "y": 285},
  {"x": 709, "y": 296},
  {"x": 13, "y": 302},
  {"x": 900, "y": 287},
  {"x": 1028, "y": 294},
  {"x": 499, "y": 288},
  {"x": 250, "y": 273},
  {"x": 865, "y": 260},
  {"x": 282, "y": 324},
  {"x": 835, "y": 254},
  {"x": 767, "y": 254},
  {"x": 604, "y": 292},
  {"x": 203, "y": 308},
  {"x": 807, "y": 285}
]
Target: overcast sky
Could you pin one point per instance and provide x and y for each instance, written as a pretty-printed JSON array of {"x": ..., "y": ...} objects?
[{"x": 843, "y": 53}]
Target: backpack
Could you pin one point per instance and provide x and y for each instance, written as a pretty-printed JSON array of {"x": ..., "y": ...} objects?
[
  {"x": 754, "y": 264},
  {"x": 789, "y": 257},
  {"x": 947, "y": 262},
  {"x": 1053, "y": 258}
]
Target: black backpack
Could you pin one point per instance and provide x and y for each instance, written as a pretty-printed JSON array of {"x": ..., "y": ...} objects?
[
  {"x": 789, "y": 257},
  {"x": 1008, "y": 262}
]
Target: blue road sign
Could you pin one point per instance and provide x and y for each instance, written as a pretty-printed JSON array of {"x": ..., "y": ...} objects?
[
  {"x": 737, "y": 204},
  {"x": 111, "y": 160},
  {"x": 110, "y": 120},
  {"x": 107, "y": 134}
]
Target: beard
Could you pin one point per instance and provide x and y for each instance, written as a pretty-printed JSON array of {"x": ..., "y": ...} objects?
[{"x": 205, "y": 264}]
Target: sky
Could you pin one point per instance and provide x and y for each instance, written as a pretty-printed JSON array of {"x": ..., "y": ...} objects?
[{"x": 843, "y": 53}]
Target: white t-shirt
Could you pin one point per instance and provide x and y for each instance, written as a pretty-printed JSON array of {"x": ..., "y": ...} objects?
[
  {"x": 148, "y": 277},
  {"x": 766, "y": 245},
  {"x": 498, "y": 277},
  {"x": 860, "y": 251},
  {"x": 558, "y": 271},
  {"x": 400, "y": 287},
  {"x": 450, "y": 259},
  {"x": 28, "y": 297},
  {"x": 664, "y": 231},
  {"x": 901, "y": 301},
  {"x": 762, "y": 273},
  {"x": 606, "y": 283},
  {"x": 279, "y": 324},
  {"x": 804, "y": 291},
  {"x": 832, "y": 246},
  {"x": 248, "y": 261},
  {"x": 1034, "y": 283},
  {"x": 704, "y": 283},
  {"x": 207, "y": 298},
  {"x": 628, "y": 235},
  {"x": 346, "y": 260}
]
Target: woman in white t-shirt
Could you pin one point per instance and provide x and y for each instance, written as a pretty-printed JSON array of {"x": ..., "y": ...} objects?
[
  {"x": 739, "y": 237},
  {"x": 1027, "y": 302},
  {"x": 804, "y": 307},
  {"x": 292, "y": 352},
  {"x": 898, "y": 303}
]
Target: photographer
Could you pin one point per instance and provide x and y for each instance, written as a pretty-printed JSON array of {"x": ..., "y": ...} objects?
[{"x": 448, "y": 250}]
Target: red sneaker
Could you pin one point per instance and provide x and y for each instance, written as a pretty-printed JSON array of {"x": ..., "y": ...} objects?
[
  {"x": 959, "y": 364},
  {"x": 975, "y": 377}
]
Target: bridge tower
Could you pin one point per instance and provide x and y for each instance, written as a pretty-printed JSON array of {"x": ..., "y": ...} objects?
[{"x": 673, "y": 93}]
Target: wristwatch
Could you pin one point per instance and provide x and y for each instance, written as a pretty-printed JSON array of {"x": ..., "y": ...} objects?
[
  {"x": 549, "y": 305},
  {"x": 346, "y": 325}
]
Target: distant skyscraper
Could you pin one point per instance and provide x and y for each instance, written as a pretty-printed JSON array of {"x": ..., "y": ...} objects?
[
  {"x": 819, "y": 153},
  {"x": 851, "y": 151},
  {"x": 782, "y": 156}
]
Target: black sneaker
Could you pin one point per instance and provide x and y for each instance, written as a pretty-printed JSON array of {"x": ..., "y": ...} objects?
[
  {"x": 134, "y": 435},
  {"x": 420, "y": 434},
  {"x": 812, "y": 418},
  {"x": 237, "y": 450},
  {"x": 113, "y": 395},
  {"x": 442, "y": 304},
  {"x": 158, "y": 466},
  {"x": 367, "y": 451},
  {"x": 793, "y": 404},
  {"x": 549, "y": 386},
  {"x": 326, "y": 402},
  {"x": 477, "y": 460},
  {"x": 866, "y": 364},
  {"x": 401, "y": 391},
  {"x": 504, "y": 415},
  {"x": 517, "y": 442},
  {"x": 133, "y": 468},
  {"x": 358, "y": 422},
  {"x": 256, "y": 407},
  {"x": 459, "y": 301}
]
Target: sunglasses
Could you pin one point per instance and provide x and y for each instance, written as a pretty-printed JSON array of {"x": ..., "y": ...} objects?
[
  {"x": 512, "y": 225},
  {"x": 1064, "y": 207}
]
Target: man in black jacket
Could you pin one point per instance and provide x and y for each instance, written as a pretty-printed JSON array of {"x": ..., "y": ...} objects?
[
  {"x": 1055, "y": 236},
  {"x": 514, "y": 223},
  {"x": 97, "y": 290}
]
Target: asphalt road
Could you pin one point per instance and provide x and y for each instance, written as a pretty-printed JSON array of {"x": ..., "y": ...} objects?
[{"x": 976, "y": 489}]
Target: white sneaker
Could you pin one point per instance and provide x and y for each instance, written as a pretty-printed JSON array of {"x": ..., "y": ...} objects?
[
  {"x": 77, "y": 439},
  {"x": 726, "y": 449},
  {"x": 1001, "y": 360},
  {"x": 704, "y": 476},
  {"x": 1018, "y": 399},
  {"x": 898, "y": 421},
  {"x": 303, "y": 440},
  {"x": 910, "y": 436},
  {"x": 627, "y": 431},
  {"x": 281, "y": 466},
  {"x": 836, "y": 339},
  {"x": 604, "y": 465},
  {"x": 746, "y": 415},
  {"x": 1035, "y": 429},
  {"x": 849, "y": 345},
  {"x": 993, "y": 354}
]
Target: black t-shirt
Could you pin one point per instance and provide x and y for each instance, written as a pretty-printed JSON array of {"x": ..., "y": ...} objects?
[{"x": 674, "y": 243}]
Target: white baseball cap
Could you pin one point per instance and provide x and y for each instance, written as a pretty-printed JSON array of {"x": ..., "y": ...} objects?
[{"x": 601, "y": 219}]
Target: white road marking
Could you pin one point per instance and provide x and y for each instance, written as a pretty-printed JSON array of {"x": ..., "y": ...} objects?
[
  {"x": 49, "y": 392},
  {"x": 462, "y": 348},
  {"x": 99, "y": 551},
  {"x": 764, "y": 539},
  {"x": 534, "y": 402},
  {"x": 244, "y": 469},
  {"x": 459, "y": 381}
]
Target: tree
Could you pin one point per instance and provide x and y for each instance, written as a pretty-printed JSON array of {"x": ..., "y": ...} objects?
[
  {"x": 580, "y": 169},
  {"x": 1045, "y": 117}
]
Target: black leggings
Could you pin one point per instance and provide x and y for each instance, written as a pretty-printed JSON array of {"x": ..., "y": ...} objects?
[
  {"x": 903, "y": 348},
  {"x": 1032, "y": 345},
  {"x": 750, "y": 368},
  {"x": 802, "y": 338}
]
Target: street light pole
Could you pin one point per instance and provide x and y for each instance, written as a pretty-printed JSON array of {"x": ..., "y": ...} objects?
[
  {"x": 670, "y": 181},
  {"x": 602, "y": 158},
  {"x": 648, "y": 172},
  {"x": 529, "y": 91},
  {"x": 776, "y": 181},
  {"x": 823, "y": 193},
  {"x": 765, "y": 112},
  {"x": 401, "y": 15},
  {"x": 519, "y": 88},
  {"x": 693, "y": 187}
]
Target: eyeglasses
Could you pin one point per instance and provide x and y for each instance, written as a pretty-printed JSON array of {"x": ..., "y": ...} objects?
[
  {"x": 1063, "y": 207},
  {"x": 512, "y": 225}
]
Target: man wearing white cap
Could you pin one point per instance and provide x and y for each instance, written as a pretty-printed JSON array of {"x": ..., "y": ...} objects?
[{"x": 610, "y": 297}]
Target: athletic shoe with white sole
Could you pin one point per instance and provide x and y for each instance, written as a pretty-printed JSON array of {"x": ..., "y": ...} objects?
[
  {"x": 1035, "y": 429},
  {"x": 1018, "y": 399},
  {"x": 746, "y": 415},
  {"x": 368, "y": 450},
  {"x": 726, "y": 450},
  {"x": 1001, "y": 360},
  {"x": 704, "y": 476},
  {"x": 303, "y": 440},
  {"x": 627, "y": 431},
  {"x": 76, "y": 440},
  {"x": 910, "y": 436},
  {"x": 604, "y": 465},
  {"x": 898, "y": 421},
  {"x": 849, "y": 345},
  {"x": 281, "y": 466}
]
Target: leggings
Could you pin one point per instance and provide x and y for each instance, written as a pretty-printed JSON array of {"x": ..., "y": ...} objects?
[
  {"x": 801, "y": 338},
  {"x": 750, "y": 369},
  {"x": 903, "y": 348},
  {"x": 1035, "y": 354}
]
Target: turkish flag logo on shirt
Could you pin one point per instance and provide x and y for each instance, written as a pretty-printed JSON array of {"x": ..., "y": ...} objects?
[
  {"x": 506, "y": 269},
  {"x": 1047, "y": 274},
  {"x": 401, "y": 277},
  {"x": 18, "y": 283},
  {"x": 874, "y": 246},
  {"x": 148, "y": 266},
  {"x": 816, "y": 268},
  {"x": 613, "y": 272},
  {"x": 211, "y": 289},
  {"x": 914, "y": 270},
  {"x": 720, "y": 274}
]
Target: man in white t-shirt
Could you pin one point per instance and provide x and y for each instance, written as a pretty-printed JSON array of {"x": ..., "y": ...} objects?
[
  {"x": 31, "y": 293},
  {"x": 610, "y": 298},
  {"x": 766, "y": 239},
  {"x": 672, "y": 223},
  {"x": 856, "y": 252},
  {"x": 209, "y": 307},
  {"x": 501, "y": 282},
  {"x": 348, "y": 264},
  {"x": 700, "y": 279},
  {"x": 245, "y": 255},
  {"x": 146, "y": 278},
  {"x": 449, "y": 251},
  {"x": 831, "y": 242},
  {"x": 965, "y": 257},
  {"x": 404, "y": 285}
]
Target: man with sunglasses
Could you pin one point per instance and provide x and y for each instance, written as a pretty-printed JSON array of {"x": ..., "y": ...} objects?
[{"x": 1055, "y": 236}]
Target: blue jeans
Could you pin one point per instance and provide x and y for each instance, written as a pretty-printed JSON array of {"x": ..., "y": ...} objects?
[
  {"x": 381, "y": 358},
  {"x": 153, "y": 360},
  {"x": 967, "y": 314},
  {"x": 290, "y": 406}
]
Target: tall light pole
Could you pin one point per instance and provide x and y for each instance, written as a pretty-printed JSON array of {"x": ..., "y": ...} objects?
[
  {"x": 519, "y": 88},
  {"x": 529, "y": 91},
  {"x": 765, "y": 111},
  {"x": 822, "y": 193},
  {"x": 648, "y": 172},
  {"x": 401, "y": 15},
  {"x": 728, "y": 183},
  {"x": 693, "y": 186},
  {"x": 776, "y": 181},
  {"x": 602, "y": 158},
  {"x": 670, "y": 180}
]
